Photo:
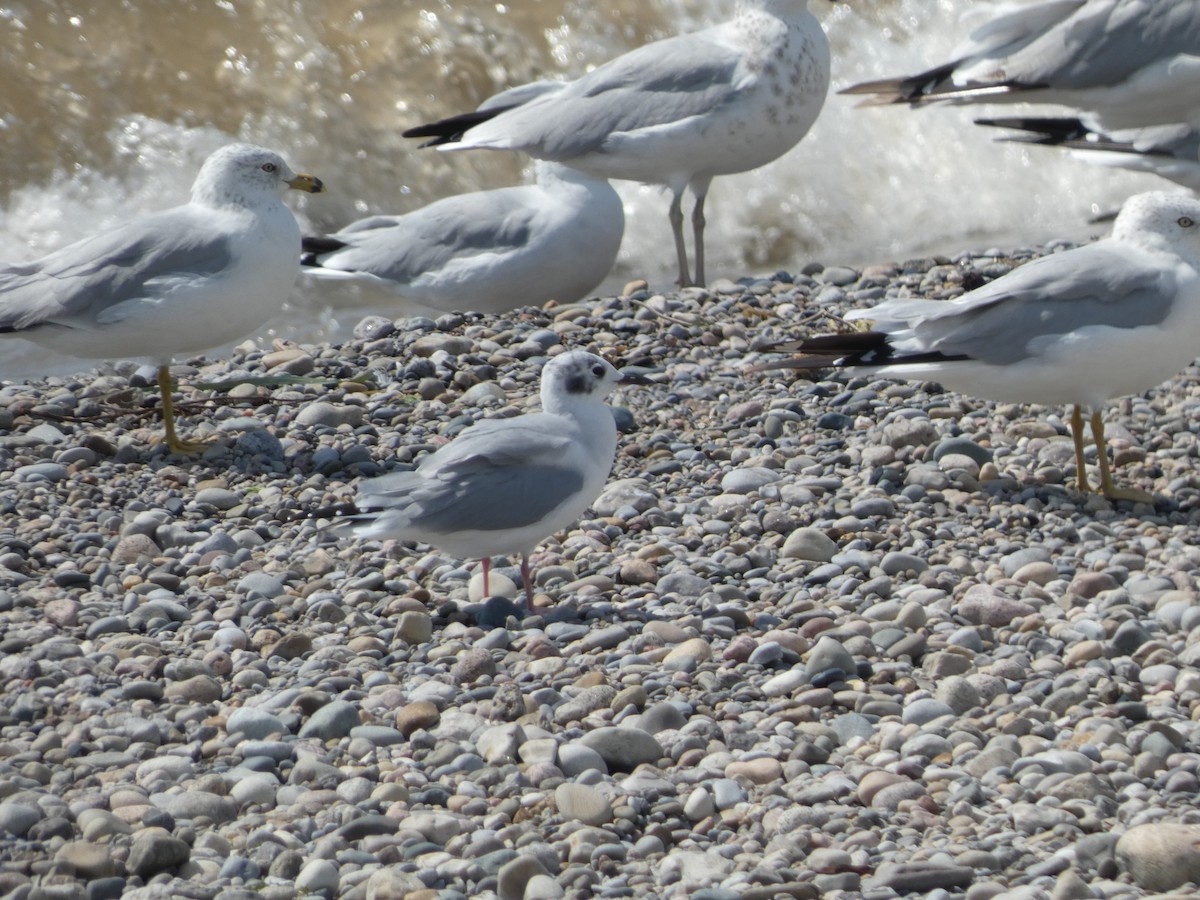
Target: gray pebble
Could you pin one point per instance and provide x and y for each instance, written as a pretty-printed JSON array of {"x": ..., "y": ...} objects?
[{"x": 332, "y": 721}]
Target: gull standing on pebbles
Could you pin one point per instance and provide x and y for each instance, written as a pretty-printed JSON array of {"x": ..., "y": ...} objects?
[
  {"x": 488, "y": 251},
  {"x": 505, "y": 485},
  {"x": 677, "y": 112},
  {"x": 179, "y": 281},
  {"x": 1080, "y": 327},
  {"x": 1124, "y": 63}
]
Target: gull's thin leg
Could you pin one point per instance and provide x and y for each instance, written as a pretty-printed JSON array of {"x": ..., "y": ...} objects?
[
  {"x": 174, "y": 444},
  {"x": 675, "y": 214},
  {"x": 527, "y": 580},
  {"x": 1107, "y": 487},
  {"x": 698, "y": 222},
  {"x": 487, "y": 574},
  {"x": 1081, "y": 481},
  {"x": 1106, "y": 482}
]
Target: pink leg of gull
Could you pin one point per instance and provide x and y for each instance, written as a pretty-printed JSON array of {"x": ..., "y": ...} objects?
[
  {"x": 528, "y": 582},
  {"x": 487, "y": 572}
]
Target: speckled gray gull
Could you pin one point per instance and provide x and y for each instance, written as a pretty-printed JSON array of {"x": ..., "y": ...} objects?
[
  {"x": 179, "y": 281},
  {"x": 503, "y": 486},
  {"x": 677, "y": 112},
  {"x": 1122, "y": 63},
  {"x": 1169, "y": 151},
  {"x": 1079, "y": 327},
  {"x": 487, "y": 251}
]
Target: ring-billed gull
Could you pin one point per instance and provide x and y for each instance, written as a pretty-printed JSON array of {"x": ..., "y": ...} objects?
[
  {"x": 504, "y": 485},
  {"x": 1123, "y": 63},
  {"x": 1169, "y": 151},
  {"x": 677, "y": 112},
  {"x": 488, "y": 251},
  {"x": 178, "y": 281},
  {"x": 1079, "y": 327}
]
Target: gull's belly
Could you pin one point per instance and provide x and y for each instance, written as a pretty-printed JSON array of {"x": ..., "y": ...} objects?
[
  {"x": 184, "y": 313},
  {"x": 1089, "y": 367}
]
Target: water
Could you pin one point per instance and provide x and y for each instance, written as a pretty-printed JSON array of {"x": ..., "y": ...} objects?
[{"x": 111, "y": 108}]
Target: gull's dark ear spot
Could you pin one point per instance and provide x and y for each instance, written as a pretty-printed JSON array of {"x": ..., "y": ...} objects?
[{"x": 578, "y": 383}]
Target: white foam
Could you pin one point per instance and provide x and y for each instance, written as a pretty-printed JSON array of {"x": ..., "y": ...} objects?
[{"x": 866, "y": 185}]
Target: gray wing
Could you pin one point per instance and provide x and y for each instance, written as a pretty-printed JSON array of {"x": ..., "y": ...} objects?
[
  {"x": 1014, "y": 27},
  {"x": 1097, "y": 285},
  {"x": 537, "y": 438},
  {"x": 491, "y": 478},
  {"x": 400, "y": 248},
  {"x": 370, "y": 223},
  {"x": 1103, "y": 43},
  {"x": 1062, "y": 44},
  {"x": 656, "y": 84},
  {"x": 485, "y": 499},
  {"x": 87, "y": 279},
  {"x": 1179, "y": 141},
  {"x": 522, "y": 93}
]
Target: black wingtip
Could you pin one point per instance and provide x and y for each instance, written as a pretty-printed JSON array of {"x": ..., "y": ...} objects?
[
  {"x": 314, "y": 245},
  {"x": 851, "y": 348},
  {"x": 906, "y": 88},
  {"x": 1040, "y": 129},
  {"x": 847, "y": 350},
  {"x": 451, "y": 130},
  {"x": 336, "y": 511}
]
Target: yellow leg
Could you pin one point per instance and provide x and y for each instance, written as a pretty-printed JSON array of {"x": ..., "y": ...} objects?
[
  {"x": 1107, "y": 487},
  {"x": 174, "y": 444},
  {"x": 1081, "y": 481}
]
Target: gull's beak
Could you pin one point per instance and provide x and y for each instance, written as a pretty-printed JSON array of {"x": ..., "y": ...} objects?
[
  {"x": 310, "y": 184},
  {"x": 633, "y": 375}
]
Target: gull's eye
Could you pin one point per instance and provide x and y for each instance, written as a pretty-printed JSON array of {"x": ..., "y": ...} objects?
[
  {"x": 1185, "y": 221},
  {"x": 598, "y": 371},
  {"x": 269, "y": 167}
]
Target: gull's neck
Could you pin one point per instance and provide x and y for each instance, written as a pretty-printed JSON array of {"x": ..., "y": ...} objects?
[
  {"x": 216, "y": 196},
  {"x": 584, "y": 409}
]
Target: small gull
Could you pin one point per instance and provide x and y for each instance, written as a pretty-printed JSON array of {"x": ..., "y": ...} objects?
[
  {"x": 488, "y": 251},
  {"x": 1123, "y": 63},
  {"x": 677, "y": 112},
  {"x": 503, "y": 486},
  {"x": 1079, "y": 327},
  {"x": 178, "y": 281},
  {"x": 1169, "y": 151}
]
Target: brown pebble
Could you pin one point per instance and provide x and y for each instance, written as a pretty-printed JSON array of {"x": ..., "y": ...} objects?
[{"x": 415, "y": 716}]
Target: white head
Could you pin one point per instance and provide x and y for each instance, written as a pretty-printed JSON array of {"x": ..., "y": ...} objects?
[
  {"x": 1162, "y": 221},
  {"x": 577, "y": 377},
  {"x": 246, "y": 175}
]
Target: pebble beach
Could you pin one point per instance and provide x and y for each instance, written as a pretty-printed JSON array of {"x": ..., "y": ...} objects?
[{"x": 821, "y": 636}]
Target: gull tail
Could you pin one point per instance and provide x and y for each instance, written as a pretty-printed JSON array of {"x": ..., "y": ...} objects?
[
  {"x": 930, "y": 86},
  {"x": 905, "y": 88},
  {"x": 1049, "y": 130},
  {"x": 343, "y": 517},
  {"x": 313, "y": 246},
  {"x": 1069, "y": 133},
  {"x": 452, "y": 129},
  {"x": 853, "y": 348},
  {"x": 846, "y": 351}
]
